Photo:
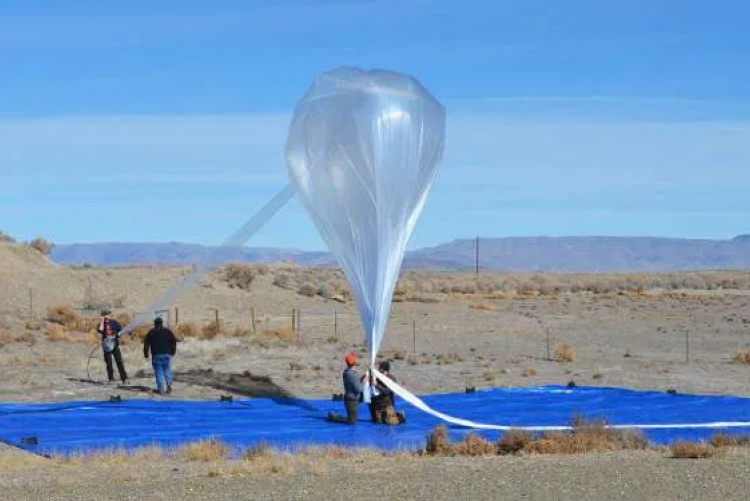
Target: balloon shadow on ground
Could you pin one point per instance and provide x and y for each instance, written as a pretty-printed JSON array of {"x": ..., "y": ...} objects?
[{"x": 244, "y": 384}]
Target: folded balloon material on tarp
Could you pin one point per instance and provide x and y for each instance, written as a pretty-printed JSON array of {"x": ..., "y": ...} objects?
[{"x": 64, "y": 428}]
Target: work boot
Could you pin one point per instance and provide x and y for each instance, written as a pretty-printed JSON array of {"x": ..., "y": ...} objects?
[{"x": 169, "y": 389}]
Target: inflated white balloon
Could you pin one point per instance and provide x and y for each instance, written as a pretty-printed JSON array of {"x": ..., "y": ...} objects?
[{"x": 363, "y": 150}]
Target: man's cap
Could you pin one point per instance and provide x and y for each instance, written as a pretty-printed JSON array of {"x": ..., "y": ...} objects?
[
  {"x": 106, "y": 312},
  {"x": 351, "y": 358},
  {"x": 385, "y": 366},
  {"x": 158, "y": 321}
]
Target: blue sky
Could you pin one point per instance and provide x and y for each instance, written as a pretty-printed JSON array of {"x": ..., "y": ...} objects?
[{"x": 165, "y": 121}]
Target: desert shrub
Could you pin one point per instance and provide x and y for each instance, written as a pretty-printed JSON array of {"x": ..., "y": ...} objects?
[
  {"x": 481, "y": 306},
  {"x": 307, "y": 289},
  {"x": 722, "y": 440},
  {"x": 514, "y": 442},
  {"x": 283, "y": 280},
  {"x": 57, "y": 333},
  {"x": 123, "y": 319},
  {"x": 141, "y": 331},
  {"x": 529, "y": 372},
  {"x": 62, "y": 314},
  {"x": 474, "y": 445},
  {"x": 32, "y": 325},
  {"x": 26, "y": 337},
  {"x": 587, "y": 437},
  {"x": 210, "y": 331},
  {"x": 565, "y": 353},
  {"x": 239, "y": 276},
  {"x": 742, "y": 356},
  {"x": 41, "y": 245},
  {"x": 689, "y": 450},
  {"x": 211, "y": 449},
  {"x": 186, "y": 330},
  {"x": 448, "y": 358},
  {"x": 286, "y": 335},
  {"x": 5, "y": 338},
  {"x": 438, "y": 441},
  {"x": 258, "y": 451},
  {"x": 238, "y": 332},
  {"x": 6, "y": 238}
]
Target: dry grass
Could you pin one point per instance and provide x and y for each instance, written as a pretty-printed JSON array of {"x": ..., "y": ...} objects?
[
  {"x": 438, "y": 442},
  {"x": 57, "y": 333},
  {"x": 529, "y": 372},
  {"x": 584, "y": 437},
  {"x": 117, "y": 456},
  {"x": 186, "y": 330},
  {"x": 240, "y": 276},
  {"x": 414, "y": 284},
  {"x": 722, "y": 440},
  {"x": 210, "y": 331},
  {"x": 448, "y": 358},
  {"x": 514, "y": 442},
  {"x": 211, "y": 449},
  {"x": 474, "y": 445},
  {"x": 27, "y": 337},
  {"x": 565, "y": 353},
  {"x": 5, "y": 338},
  {"x": 482, "y": 307},
  {"x": 286, "y": 335},
  {"x": 742, "y": 356},
  {"x": 62, "y": 314},
  {"x": 32, "y": 325},
  {"x": 689, "y": 450}
]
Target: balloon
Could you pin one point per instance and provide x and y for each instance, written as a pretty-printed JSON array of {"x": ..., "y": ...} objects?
[{"x": 363, "y": 150}]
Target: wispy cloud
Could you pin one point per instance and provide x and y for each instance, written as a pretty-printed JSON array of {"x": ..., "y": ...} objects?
[{"x": 499, "y": 177}]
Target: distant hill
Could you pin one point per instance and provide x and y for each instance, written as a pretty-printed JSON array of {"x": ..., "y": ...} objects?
[{"x": 585, "y": 254}]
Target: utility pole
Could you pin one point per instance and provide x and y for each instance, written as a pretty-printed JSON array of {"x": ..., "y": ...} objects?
[{"x": 476, "y": 257}]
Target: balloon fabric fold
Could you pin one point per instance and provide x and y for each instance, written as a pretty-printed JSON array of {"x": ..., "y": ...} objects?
[{"x": 363, "y": 150}]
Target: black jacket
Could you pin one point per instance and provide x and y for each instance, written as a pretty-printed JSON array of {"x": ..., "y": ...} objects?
[{"x": 161, "y": 341}]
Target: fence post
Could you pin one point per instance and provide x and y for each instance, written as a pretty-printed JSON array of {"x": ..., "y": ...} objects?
[
  {"x": 31, "y": 303},
  {"x": 336, "y": 325},
  {"x": 252, "y": 318},
  {"x": 176, "y": 315},
  {"x": 299, "y": 327},
  {"x": 546, "y": 328},
  {"x": 414, "y": 334},
  {"x": 294, "y": 320},
  {"x": 687, "y": 346}
]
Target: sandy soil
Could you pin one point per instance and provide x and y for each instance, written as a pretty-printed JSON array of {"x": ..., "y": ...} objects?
[{"x": 684, "y": 340}]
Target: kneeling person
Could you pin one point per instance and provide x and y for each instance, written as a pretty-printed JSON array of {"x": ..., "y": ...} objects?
[
  {"x": 382, "y": 408},
  {"x": 352, "y": 393}
]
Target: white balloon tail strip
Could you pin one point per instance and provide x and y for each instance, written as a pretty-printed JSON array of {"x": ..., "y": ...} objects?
[
  {"x": 420, "y": 404},
  {"x": 237, "y": 239}
]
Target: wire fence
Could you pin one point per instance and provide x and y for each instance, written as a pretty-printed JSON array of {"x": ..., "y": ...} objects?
[{"x": 500, "y": 329}]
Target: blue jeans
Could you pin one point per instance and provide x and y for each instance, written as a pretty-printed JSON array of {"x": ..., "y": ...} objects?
[{"x": 162, "y": 370}]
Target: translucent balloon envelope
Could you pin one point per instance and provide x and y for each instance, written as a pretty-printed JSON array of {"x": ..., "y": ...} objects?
[{"x": 363, "y": 150}]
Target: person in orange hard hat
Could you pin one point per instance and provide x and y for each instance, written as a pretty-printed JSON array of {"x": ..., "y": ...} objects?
[{"x": 352, "y": 392}]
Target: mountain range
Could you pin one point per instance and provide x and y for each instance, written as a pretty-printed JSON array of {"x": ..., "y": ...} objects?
[{"x": 551, "y": 254}]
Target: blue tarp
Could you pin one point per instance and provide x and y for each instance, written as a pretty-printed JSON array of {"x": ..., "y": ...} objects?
[{"x": 62, "y": 428}]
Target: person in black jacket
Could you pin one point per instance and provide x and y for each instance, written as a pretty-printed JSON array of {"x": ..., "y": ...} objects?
[
  {"x": 163, "y": 345},
  {"x": 382, "y": 406}
]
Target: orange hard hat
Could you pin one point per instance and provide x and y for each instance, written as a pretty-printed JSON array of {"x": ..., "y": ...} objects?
[{"x": 351, "y": 358}]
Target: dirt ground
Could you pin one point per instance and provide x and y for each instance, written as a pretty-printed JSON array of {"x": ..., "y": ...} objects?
[{"x": 653, "y": 339}]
